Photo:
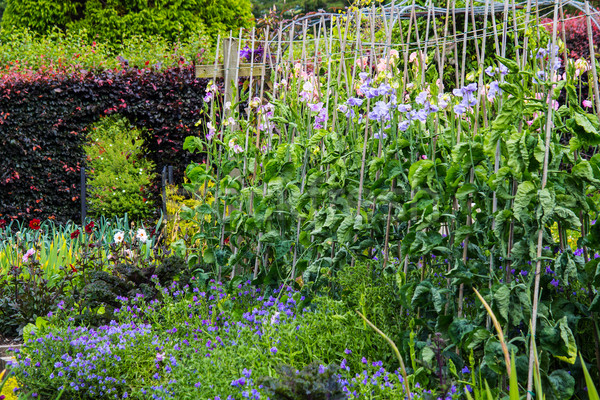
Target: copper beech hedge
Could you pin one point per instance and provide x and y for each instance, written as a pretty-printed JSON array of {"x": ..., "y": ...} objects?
[{"x": 43, "y": 124}]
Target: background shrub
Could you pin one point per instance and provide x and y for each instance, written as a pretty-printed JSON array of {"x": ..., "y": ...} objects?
[
  {"x": 115, "y": 20},
  {"x": 119, "y": 177},
  {"x": 23, "y": 51},
  {"x": 43, "y": 126}
]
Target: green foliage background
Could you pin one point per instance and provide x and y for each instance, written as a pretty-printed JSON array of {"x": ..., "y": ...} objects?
[
  {"x": 114, "y": 20},
  {"x": 119, "y": 176}
]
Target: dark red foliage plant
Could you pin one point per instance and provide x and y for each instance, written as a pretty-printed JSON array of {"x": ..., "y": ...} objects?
[
  {"x": 576, "y": 36},
  {"x": 43, "y": 123}
]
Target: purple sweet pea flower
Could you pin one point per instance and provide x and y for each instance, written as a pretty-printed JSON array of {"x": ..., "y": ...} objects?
[{"x": 354, "y": 101}]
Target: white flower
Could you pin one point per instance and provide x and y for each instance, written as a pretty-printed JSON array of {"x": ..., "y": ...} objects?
[
  {"x": 119, "y": 236},
  {"x": 275, "y": 318},
  {"x": 141, "y": 235}
]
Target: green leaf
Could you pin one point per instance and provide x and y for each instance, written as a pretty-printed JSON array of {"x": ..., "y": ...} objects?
[
  {"x": 192, "y": 143},
  {"x": 547, "y": 203},
  {"x": 417, "y": 174},
  {"x": 591, "y": 388},
  {"x": 525, "y": 193},
  {"x": 465, "y": 190},
  {"x": 583, "y": 170},
  {"x": 438, "y": 300},
  {"x": 270, "y": 237},
  {"x": 569, "y": 341},
  {"x": 510, "y": 64},
  {"x": 209, "y": 256},
  {"x": 421, "y": 294},
  {"x": 562, "y": 384},
  {"x": 513, "y": 390},
  {"x": 345, "y": 228},
  {"x": 567, "y": 216},
  {"x": 502, "y": 301},
  {"x": 316, "y": 138}
]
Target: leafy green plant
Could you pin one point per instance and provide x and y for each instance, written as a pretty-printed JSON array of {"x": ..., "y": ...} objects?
[
  {"x": 119, "y": 175},
  {"x": 22, "y": 51}
]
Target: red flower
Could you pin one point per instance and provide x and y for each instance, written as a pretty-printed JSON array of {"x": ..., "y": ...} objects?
[
  {"x": 89, "y": 228},
  {"x": 226, "y": 241},
  {"x": 34, "y": 224},
  {"x": 75, "y": 234},
  {"x": 73, "y": 269},
  {"x": 2, "y": 223}
]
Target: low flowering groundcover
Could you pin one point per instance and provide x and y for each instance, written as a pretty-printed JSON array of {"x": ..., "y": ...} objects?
[{"x": 205, "y": 344}]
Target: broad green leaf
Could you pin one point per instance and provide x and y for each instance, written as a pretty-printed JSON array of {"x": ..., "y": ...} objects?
[
  {"x": 547, "y": 203},
  {"x": 345, "y": 228},
  {"x": 583, "y": 170},
  {"x": 438, "y": 300},
  {"x": 427, "y": 355},
  {"x": 270, "y": 237},
  {"x": 510, "y": 64},
  {"x": 317, "y": 137},
  {"x": 417, "y": 173},
  {"x": 465, "y": 190},
  {"x": 525, "y": 194},
  {"x": 562, "y": 384},
  {"x": 568, "y": 217},
  {"x": 421, "y": 294},
  {"x": 502, "y": 301},
  {"x": 569, "y": 341}
]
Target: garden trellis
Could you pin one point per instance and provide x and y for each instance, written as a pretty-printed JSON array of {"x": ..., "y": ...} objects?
[{"x": 392, "y": 202}]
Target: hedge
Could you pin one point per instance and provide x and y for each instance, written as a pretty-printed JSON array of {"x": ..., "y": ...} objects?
[{"x": 43, "y": 122}]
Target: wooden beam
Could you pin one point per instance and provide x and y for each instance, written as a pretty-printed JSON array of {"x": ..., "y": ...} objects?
[{"x": 218, "y": 71}]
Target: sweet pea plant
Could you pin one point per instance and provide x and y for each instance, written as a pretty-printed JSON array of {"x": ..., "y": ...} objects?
[{"x": 446, "y": 189}]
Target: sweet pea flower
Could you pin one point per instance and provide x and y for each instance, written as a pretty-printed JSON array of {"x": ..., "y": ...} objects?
[
  {"x": 587, "y": 103},
  {"x": 403, "y": 126},
  {"x": 354, "y": 101},
  {"x": 404, "y": 108},
  {"x": 421, "y": 97},
  {"x": 362, "y": 62},
  {"x": 347, "y": 111},
  {"x": 493, "y": 90},
  {"x": 211, "y": 131},
  {"x": 502, "y": 69},
  {"x": 581, "y": 66},
  {"x": 460, "y": 109},
  {"x": 541, "y": 53}
]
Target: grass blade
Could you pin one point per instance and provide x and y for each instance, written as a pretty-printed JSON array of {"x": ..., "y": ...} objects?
[{"x": 591, "y": 388}]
